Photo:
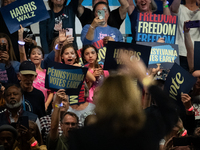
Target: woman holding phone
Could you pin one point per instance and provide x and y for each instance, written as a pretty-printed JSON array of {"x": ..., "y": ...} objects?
[{"x": 99, "y": 29}]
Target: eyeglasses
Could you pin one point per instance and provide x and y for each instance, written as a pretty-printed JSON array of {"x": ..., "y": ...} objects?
[{"x": 70, "y": 123}]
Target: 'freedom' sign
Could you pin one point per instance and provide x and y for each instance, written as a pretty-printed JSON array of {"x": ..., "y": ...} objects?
[
  {"x": 24, "y": 12},
  {"x": 151, "y": 27}
]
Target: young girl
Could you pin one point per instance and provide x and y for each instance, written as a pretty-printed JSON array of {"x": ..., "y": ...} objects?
[
  {"x": 36, "y": 55},
  {"x": 90, "y": 55}
]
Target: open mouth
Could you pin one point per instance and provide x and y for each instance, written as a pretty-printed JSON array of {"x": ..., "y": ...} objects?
[
  {"x": 143, "y": 4},
  {"x": 69, "y": 59}
]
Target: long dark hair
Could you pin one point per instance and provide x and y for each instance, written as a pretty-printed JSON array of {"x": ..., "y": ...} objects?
[
  {"x": 11, "y": 52},
  {"x": 40, "y": 48},
  {"x": 83, "y": 51},
  {"x": 75, "y": 50},
  {"x": 51, "y": 4}
]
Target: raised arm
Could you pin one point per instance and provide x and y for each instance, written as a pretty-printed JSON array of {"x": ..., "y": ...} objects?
[
  {"x": 55, "y": 118},
  {"x": 131, "y": 7},
  {"x": 175, "y": 6},
  {"x": 123, "y": 8},
  {"x": 21, "y": 44},
  {"x": 189, "y": 47},
  {"x": 166, "y": 10},
  {"x": 80, "y": 8}
]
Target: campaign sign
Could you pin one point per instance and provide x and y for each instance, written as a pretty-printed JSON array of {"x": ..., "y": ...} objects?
[
  {"x": 61, "y": 76},
  {"x": 112, "y": 60},
  {"x": 196, "y": 55},
  {"x": 24, "y": 12},
  {"x": 165, "y": 55},
  {"x": 151, "y": 27},
  {"x": 178, "y": 80}
]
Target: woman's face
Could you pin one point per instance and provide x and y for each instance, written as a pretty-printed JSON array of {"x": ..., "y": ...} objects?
[
  {"x": 69, "y": 56},
  {"x": 58, "y": 2},
  {"x": 90, "y": 55},
  {"x": 36, "y": 56},
  {"x": 6, "y": 2},
  {"x": 143, "y": 5},
  {"x": 4, "y": 41},
  {"x": 102, "y": 7}
]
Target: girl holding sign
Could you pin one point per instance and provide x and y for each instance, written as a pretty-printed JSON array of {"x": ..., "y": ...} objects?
[{"x": 90, "y": 55}]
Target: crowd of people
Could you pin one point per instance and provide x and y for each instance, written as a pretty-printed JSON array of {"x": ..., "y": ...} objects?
[{"x": 125, "y": 109}]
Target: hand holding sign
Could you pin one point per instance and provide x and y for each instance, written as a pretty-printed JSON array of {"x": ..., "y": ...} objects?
[{"x": 186, "y": 99}]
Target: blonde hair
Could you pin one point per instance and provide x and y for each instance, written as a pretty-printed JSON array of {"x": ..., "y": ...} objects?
[
  {"x": 153, "y": 5},
  {"x": 119, "y": 104}
]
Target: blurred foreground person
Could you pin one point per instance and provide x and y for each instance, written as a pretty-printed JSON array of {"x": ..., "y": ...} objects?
[{"x": 121, "y": 123}]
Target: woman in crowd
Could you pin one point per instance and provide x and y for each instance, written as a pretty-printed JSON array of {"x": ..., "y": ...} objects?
[
  {"x": 121, "y": 122},
  {"x": 90, "y": 55},
  {"x": 99, "y": 29},
  {"x": 186, "y": 11},
  {"x": 147, "y": 6},
  {"x": 8, "y": 64},
  {"x": 61, "y": 16}
]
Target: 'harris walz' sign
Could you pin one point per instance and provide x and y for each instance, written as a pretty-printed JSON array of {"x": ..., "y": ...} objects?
[
  {"x": 61, "y": 76},
  {"x": 113, "y": 53},
  {"x": 24, "y": 12},
  {"x": 151, "y": 27},
  {"x": 161, "y": 53},
  {"x": 178, "y": 80}
]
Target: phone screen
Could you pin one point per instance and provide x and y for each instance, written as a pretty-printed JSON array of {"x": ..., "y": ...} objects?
[
  {"x": 69, "y": 31},
  {"x": 101, "y": 14}
]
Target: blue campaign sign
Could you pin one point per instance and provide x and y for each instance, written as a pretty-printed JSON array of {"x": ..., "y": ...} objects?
[
  {"x": 112, "y": 59},
  {"x": 165, "y": 55},
  {"x": 61, "y": 76},
  {"x": 196, "y": 55},
  {"x": 178, "y": 80},
  {"x": 151, "y": 27},
  {"x": 24, "y": 12}
]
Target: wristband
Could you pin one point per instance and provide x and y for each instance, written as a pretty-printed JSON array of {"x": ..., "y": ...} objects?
[
  {"x": 56, "y": 47},
  {"x": 184, "y": 133},
  {"x": 190, "y": 109},
  {"x": 34, "y": 144},
  {"x": 165, "y": 6},
  {"x": 59, "y": 105},
  {"x": 22, "y": 43},
  {"x": 91, "y": 26}
]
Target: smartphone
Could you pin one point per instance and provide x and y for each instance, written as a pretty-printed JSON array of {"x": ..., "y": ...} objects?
[
  {"x": 3, "y": 47},
  {"x": 69, "y": 31},
  {"x": 23, "y": 120},
  {"x": 29, "y": 36},
  {"x": 101, "y": 14},
  {"x": 193, "y": 24}
]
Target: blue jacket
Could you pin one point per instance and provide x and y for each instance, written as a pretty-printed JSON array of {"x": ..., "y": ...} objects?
[{"x": 47, "y": 26}]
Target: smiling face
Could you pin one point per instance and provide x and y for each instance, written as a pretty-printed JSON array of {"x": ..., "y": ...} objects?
[
  {"x": 13, "y": 97},
  {"x": 69, "y": 56},
  {"x": 143, "y": 5},
  {"x": 90, "y": 55},
  {"x": 36, "y": 56}
]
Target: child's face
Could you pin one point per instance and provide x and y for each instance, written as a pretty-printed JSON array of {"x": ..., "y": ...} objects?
[
  {"x": 69, "y": 56},
  {"x": 90, "y": 55},
  {"x": 36, "y": 56}
]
